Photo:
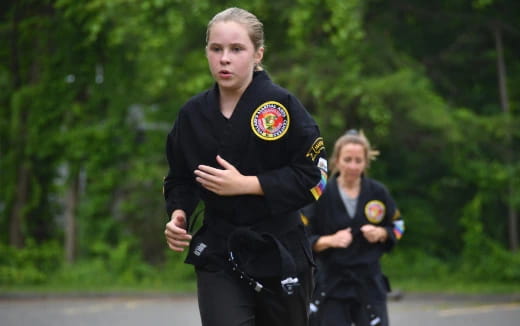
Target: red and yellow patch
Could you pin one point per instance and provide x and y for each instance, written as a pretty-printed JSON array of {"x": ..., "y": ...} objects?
[
  {"x": 270, "y": 121},
  {"x": 375, "y": 211}
]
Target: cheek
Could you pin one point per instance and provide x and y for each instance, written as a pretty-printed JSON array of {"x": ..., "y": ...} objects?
[
  {"x": 360, "y": 166},
  {"x": 211, "y": 58},
  {"x": 213, "y": 64},
  {"x": 354, "y": 167}
]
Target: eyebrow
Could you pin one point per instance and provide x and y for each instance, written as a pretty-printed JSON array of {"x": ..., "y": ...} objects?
[{"x": 231, "y": 44}]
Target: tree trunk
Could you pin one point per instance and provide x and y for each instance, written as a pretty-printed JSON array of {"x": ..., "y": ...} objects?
[
  {"x": 70, "y": 217},
  {"x": 504, "y": 102},
  {"x": 17, "y": 214}
]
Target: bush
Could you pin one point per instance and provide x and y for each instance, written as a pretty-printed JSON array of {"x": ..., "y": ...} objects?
[
  {"x": 30, "y": 265},
  {"x": 413, "y": 264},
  {"x": 493, "y": 262}
]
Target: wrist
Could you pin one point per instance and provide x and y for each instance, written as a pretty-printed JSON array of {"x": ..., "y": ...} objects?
[
  {"x": 252, "y": 185},
  {"x": 384, "y": 235}
]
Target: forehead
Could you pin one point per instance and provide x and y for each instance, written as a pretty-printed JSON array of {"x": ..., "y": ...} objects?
[
  {"x": 352, "y": 149},
  {"x": 228, "y": 32}
]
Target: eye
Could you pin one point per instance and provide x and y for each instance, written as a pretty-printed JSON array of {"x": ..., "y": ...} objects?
[
  {"x": 236, "y": 48},
  {"x": 215, "y": 48}
]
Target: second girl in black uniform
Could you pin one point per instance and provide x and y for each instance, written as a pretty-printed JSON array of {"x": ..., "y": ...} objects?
[{"x": 351, "y": 226}]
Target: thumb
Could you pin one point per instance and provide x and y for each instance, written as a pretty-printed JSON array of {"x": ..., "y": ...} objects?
[{"x": 180, "y": 221}]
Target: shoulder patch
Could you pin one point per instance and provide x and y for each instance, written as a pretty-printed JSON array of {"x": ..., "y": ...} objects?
[
  {"x": 316, "y": 148},
  {"x": 318, "y": 189},
  {"x": 375, "y": 211},
  {"x": 270, "y": 121}
]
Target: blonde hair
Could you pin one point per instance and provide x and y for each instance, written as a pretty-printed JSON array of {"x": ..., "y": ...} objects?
[
  {"x": 352, "y": 136},
  {"x": 254, "y": 26}
]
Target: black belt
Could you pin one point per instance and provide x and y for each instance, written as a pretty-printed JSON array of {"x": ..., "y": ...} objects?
[{"x": 247, "y": 247}]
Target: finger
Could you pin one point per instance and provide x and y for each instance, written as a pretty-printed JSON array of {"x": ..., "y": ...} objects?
[
  {"x": 178, "y": 219},
  {"x": 181, "y": 220},
  {"x": 177, "y": 243},
  {"x": 177, "y": 247},
  {"x": 225, "y": 164},
  {"x": 176, "y": 240},
  {"x": 208, "y": 170},
  {"x": 174, "y": 228},
  {"x": 204, "y": 172},
  {"x": 181, "y": 224},
  {"x": 206, "y": 184},
  {"x": 177, "y": 235},
  {"x": 204, "y": 178},
  {"x": 367, "y": 228}
]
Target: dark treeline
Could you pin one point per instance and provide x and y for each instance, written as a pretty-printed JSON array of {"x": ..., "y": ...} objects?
[{"x": 89, "y": 90}]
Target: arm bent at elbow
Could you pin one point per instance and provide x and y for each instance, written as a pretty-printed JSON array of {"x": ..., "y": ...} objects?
[{"x": 341, "y": 239}]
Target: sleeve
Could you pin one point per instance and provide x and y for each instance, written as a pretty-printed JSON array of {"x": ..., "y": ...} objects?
[
  {"x": 303, "y": 179},
  {"x": 179, "y": 188},
  {"x": 395, "y": 223},
  {"x": 308, "y": 216}
]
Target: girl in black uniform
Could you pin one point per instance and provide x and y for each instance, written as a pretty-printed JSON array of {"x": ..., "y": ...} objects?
[
  {"x": 351, "y": 226},
  {"x": 251, "y": 152}
]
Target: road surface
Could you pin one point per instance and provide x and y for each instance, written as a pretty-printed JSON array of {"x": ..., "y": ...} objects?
[{"x": 411, "y": 310}]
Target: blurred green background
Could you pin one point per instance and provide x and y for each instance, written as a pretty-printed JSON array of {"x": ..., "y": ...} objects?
[{"x": 89, "y": 89}]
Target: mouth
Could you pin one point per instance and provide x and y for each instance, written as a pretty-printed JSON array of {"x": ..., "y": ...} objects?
[{"x": 224, "y": 74}]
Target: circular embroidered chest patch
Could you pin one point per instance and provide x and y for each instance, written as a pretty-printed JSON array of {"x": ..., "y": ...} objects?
[
  {"x": 374, "y": 211},
  {"x": 270, "y": 121}
]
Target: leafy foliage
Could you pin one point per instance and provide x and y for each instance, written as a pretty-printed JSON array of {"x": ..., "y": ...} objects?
[{"x": 91, "y": 88}]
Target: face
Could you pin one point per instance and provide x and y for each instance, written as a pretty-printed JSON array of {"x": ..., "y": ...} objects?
[
  {"x": 351, "y": 161},
  {"x": 231, "y": 55}
]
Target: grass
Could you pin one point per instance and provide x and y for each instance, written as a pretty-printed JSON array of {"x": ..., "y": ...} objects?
[
  {"x": 441, "y": 286},
  {"x": 99, "y": 289},
  {"x": 409, "y": 272}
]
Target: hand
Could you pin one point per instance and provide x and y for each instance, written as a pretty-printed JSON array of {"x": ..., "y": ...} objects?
[
  {"x": 340, "y": 239},
  {"x": 176, "y": 235},
  {"x": 227, "y": 181},
  {"x": 374, "y": 233}
]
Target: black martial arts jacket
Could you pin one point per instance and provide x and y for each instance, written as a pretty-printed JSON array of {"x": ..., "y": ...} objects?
[
  {"x": 374, "y": 206},
  {"x": 269, "y": 135}
]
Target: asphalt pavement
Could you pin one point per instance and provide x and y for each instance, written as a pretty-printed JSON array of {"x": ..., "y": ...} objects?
[{"x": 181, "y": 310}]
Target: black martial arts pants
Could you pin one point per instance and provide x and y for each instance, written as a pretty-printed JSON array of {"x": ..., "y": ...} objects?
[
  {"x": 347, "y": 312},
  {"x": 226, "y": 300}
]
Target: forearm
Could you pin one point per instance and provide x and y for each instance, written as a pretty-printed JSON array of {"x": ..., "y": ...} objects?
[
  {"x": 322, "y": 243},
  {"x": 251, "y": 186}
]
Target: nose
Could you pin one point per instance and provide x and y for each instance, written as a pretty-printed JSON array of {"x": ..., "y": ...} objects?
[
  {"x": 224, "y": 59},
  {"x": 353, "y": 166}
]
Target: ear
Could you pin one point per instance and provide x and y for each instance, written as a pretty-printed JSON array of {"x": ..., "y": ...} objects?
[{"x": 259, "y": 54}]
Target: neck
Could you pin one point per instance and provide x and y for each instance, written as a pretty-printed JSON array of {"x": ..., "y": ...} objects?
[
  {"x": 351, "y": 187},
  {"x": 229, "y": 98},
  {"x": 349, "y": 184},
  {"x": 228, "y": 102}
]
